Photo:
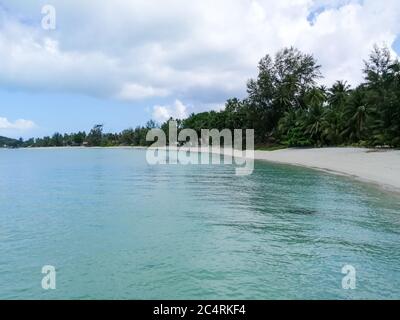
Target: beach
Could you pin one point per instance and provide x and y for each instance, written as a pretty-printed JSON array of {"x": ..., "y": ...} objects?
[{"x": 380, "y": 167}]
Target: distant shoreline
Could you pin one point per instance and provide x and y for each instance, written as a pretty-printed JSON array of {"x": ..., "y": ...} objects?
[{"x": 379, "y": 167}]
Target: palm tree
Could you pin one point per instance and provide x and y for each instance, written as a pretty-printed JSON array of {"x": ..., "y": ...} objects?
[
  {"x": 316, "y": 97},
  {"x": 338, "y": 94},
  {"x": 315, "y": 124},
  {"x": 333, "y": 126},
  {"x": 356, "y": 112}
]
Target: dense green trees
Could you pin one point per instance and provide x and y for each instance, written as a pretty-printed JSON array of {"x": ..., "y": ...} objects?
[
  {"x": 7, "y": 142},
  {"x": 57, "y": 140},
  {"x": 95, "y": 138},
  {"x": 285, "y": 106}
]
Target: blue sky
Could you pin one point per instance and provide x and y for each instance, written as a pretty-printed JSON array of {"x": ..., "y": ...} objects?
[
  {"x": 123, "y": 62},
  {"x": 63, "y": 112}
]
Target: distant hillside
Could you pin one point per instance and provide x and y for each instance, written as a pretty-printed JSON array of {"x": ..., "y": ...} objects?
[{"x": 8, "y": 142}]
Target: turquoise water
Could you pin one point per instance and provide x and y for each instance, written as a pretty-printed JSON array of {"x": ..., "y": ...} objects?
[{"x": 115, "y": 227}]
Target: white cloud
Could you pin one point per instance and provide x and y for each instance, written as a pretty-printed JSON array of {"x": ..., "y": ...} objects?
[
  {"x": 201, "y": 51},
  {"x": 20, "y": 124},
  {"x": 133, "y": 91},
  {"x": 164, "y": 113}
]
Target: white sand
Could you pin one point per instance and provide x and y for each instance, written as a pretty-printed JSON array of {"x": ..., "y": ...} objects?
[{"x": 379, "y": 167}]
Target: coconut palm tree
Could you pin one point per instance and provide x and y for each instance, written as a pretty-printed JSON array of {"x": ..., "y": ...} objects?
[
  {"x": 338, "y": 94},
  {"x": 356, "y": 112}
]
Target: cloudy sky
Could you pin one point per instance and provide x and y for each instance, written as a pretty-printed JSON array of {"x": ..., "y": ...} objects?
[{"x": 123, "y": 62}]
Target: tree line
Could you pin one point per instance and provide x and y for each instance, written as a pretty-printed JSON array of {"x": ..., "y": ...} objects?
[
  {"x": 286, "y": 107},
  {"x": 94, "y": 138}
]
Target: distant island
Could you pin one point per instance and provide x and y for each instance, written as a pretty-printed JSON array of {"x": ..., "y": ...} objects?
[
  {"x": 10, "y": 143},
  {"x": 286, "y": 108}
]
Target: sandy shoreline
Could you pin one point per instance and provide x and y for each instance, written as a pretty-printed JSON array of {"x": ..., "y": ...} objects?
[
  {"x": 381, "y": 167},
  {"x": 377, "y": 166}
]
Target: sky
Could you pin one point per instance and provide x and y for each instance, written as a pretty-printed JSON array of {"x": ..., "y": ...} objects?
[{"x": 123, "y": 62}]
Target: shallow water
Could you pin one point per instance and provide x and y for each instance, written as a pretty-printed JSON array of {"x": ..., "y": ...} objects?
[{"x": 115, "y": 227}]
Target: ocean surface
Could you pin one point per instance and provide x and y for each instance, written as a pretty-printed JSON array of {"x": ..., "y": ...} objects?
[{"x": 115, "y": 227}]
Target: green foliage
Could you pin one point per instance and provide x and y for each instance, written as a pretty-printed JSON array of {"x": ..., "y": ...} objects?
[
  {"x": 285, "y": 106},
  {"x": 9, "y": 143},
  {"x": 95, "y": 137}
]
